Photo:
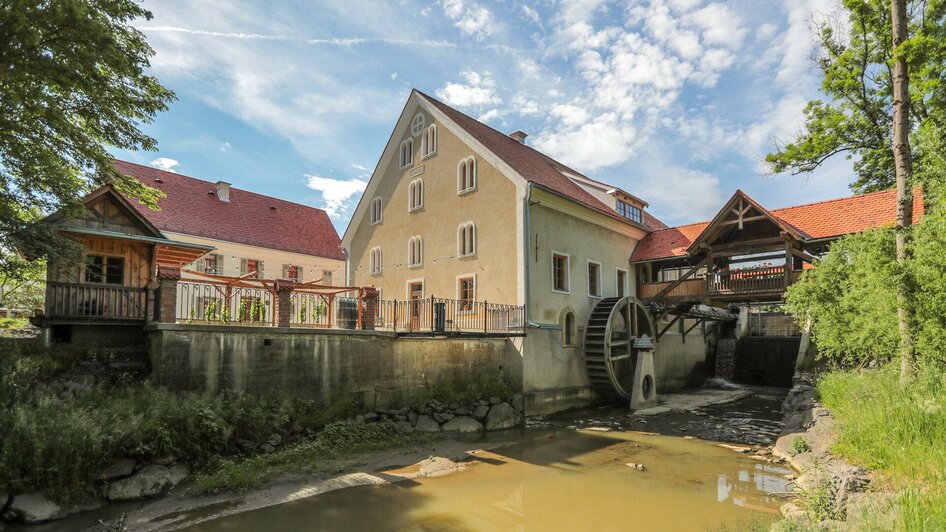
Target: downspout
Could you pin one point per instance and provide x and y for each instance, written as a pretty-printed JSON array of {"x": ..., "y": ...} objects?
[{"x": 528, "y": 247}]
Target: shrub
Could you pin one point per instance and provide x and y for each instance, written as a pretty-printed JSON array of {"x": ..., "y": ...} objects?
[
  {"x": 800, "y": 445},
  {"x": 466, "y": 386}
]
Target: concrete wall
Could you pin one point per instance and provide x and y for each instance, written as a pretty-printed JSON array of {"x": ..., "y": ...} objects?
[
  {"x": 678, "y": 363},
  {"x": 377, "y": 368}
]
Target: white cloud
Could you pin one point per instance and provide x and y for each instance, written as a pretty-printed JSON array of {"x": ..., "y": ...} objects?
[
  {"x": 337, "y": 194},
  {"x": 225, "y": 147},
  {"x": 479, "y": 90},
  {"x": 766, "y": 31},
  {"x": 166, "y": 164},
  {"x": 721, "y": 25},
  {"x": 531, "y": 14},
  {"x": 393, "y": 75},
  {"x": 472, "y": 19},
  {"x": 490, "y": 115}
]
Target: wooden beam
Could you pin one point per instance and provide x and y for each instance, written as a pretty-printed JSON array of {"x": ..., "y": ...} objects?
[
  {"x": 804, "y": 256},
  {"x": 669, "y": 325},
  {"x": 757, "y": 244},
  {"x": 746, "y": 219},
  {"x": 699, "y": 321}
]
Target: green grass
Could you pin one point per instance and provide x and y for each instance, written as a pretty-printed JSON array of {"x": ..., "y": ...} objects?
[
  {"x": 898, "y": 432},
  {"x": 464, "y": 387},
  {"x": 336, "y": 440},
  {"x": 14, "y": 323}
]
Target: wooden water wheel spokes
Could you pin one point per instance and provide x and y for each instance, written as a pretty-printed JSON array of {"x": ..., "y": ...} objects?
[{"x": 612, "y": 327}]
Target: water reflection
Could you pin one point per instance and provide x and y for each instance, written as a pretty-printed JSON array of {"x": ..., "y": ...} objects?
[{"x": 566, "y": 480}]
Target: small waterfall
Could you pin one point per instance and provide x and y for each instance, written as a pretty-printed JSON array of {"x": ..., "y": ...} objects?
[{"x": 725, "y": 358}]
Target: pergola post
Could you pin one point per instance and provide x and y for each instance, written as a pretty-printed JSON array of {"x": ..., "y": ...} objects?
[
  {"x": 283, "y": 302},
  {"x": 166, "y": 297}
]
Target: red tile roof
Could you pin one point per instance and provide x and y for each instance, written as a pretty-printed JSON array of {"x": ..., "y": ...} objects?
[
  {"x": 823, "y": 219},
  {"x": 533, "y": 165},
  {"x": 192, "y": 208}
]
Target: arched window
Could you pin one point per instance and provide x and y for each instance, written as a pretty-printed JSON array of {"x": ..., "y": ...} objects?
[
  {"x": 428, "y": 144},
  {"x": 415, "y": 192},
  {"x": 569, "y": 330},
  {"x": 375, "y": 261},
  {"x": 466, "y": 175},
  {"x": 376, "y": 210},
  {"x": 407, "y": 153},
  {"x": 415, "y": 251},
  {"x": 466, "y": 240}
]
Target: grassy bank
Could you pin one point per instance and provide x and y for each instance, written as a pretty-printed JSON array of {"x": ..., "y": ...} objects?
[
  {"x": 59, "y": 435},
  {"x": 900, "y": 433}
]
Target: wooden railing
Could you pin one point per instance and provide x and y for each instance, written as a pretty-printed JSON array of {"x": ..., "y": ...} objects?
[
  {"x": 691, "y": 288},
  {"x": 725, "y": 283},
  {"x": 73, "y": 300},
  {"x": 769, "y": 280},
  {"x": 437, "y": 315}
]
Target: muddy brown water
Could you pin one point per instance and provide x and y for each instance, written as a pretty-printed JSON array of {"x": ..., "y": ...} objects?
[
  {"x": 571, "y": 474},
  {"x": 567, "y": 472}
]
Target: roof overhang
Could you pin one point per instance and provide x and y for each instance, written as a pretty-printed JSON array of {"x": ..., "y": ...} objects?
[{"x": 740, "y": 199}]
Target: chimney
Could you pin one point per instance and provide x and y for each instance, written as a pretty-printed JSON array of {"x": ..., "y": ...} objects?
[
  {"x": 519, "y": 136},
  {"x": 223, "y": 191}
]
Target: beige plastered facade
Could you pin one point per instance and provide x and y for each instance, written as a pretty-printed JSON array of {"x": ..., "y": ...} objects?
[
  {"x": 519, "y": 227},
  {"x": 313, "y": 267}
]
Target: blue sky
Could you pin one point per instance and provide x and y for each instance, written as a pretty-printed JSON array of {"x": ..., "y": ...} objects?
[{"x": 676, "y": 101}]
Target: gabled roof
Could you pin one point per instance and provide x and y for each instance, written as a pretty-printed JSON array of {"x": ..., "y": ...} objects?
[
  {"x": 120, "y": 201},
  {"x": 192, "y": 208},
  {"x": 812, "y": 221},
  {"x": 740, "y": 198},
  {"x": 533, "y": 165}
]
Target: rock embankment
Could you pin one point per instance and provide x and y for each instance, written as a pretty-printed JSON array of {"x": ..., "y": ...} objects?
[
  {"x": 438, "y": 416},
  {"x": 831, "y": 492}
]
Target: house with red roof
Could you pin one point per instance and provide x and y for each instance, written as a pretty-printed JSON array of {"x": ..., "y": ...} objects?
[{"x": 201, "y": 230}]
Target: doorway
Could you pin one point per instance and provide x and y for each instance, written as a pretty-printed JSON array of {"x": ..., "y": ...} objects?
[{"x": 415, "y": 293}]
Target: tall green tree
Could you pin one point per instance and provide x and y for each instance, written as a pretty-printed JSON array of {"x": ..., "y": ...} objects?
[
  {"x": 855, "y": 120},
  {"x": 73, "y": 83}
]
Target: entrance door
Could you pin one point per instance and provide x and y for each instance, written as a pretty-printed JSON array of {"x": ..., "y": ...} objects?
[{"x": 416, "y": 295}]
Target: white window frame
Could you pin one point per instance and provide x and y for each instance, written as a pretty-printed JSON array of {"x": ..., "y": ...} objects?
[
  {"x": 375, "y": 266},
  {"x": 406, "y": 156},
  {"x": 416, "y": 239},
  {"x": 617, "y": 286},
  {"x": 588, "y": 264},
  {"x": 429, "y": 139},
  {"x": 407, "y": 288},
  {"x": 568, "y": 271},
  {"x": 463, "y": 239},
  {"x": 471, "y": 163},
  {"x": 379, "y": 202},
  {"x": 475, "y": 287},
  {"x": 411, "y": 207}
]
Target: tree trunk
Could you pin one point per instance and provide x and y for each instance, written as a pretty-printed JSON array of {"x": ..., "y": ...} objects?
[{"x": 904, "y": 171}]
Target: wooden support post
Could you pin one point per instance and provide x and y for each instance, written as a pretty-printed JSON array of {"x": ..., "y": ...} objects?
[
  {"x": 394, "y": 319},
  {"x": 789, "y": 245},
  {"x": 485, "y": 317}
]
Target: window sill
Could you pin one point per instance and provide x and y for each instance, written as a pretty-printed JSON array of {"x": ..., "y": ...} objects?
[
  {"x": 567, "y": 292},
  {"x": 376, "y": 223},
  {"x": 406, "y": 166},
  {"x": 468, "y": 256},
  {"x": 466, "y": 191},
  {"x": 415, "y": 209},
  {"x": 428, "y": 156},
  {"x": 415, "y": 266}
]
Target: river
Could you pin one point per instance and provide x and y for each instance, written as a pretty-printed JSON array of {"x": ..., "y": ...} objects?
[{"x": 572, "y": 473}]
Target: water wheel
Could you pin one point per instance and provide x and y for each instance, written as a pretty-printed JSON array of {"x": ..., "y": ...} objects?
[{"x": 613, "y": 326}]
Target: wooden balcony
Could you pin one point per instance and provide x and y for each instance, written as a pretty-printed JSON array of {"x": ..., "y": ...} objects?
[
  {"x": 95, "y": 302},
  {"x": 726, "y": 285}
]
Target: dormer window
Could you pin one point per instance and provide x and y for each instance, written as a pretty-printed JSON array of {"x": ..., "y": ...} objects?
[
  {"x": 466, "y": 175},
  {"x": 415, "y": 192},
  {"x": 630, "y": 211},
  {"x": 376, "y": 210},
  {"x": 407, "y": 153},
  {"x": 428, "y": 144},
  {"x": 415, "y": 251}
]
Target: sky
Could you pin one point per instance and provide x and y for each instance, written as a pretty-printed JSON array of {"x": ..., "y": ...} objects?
[{"x": 675, "y": 101}]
